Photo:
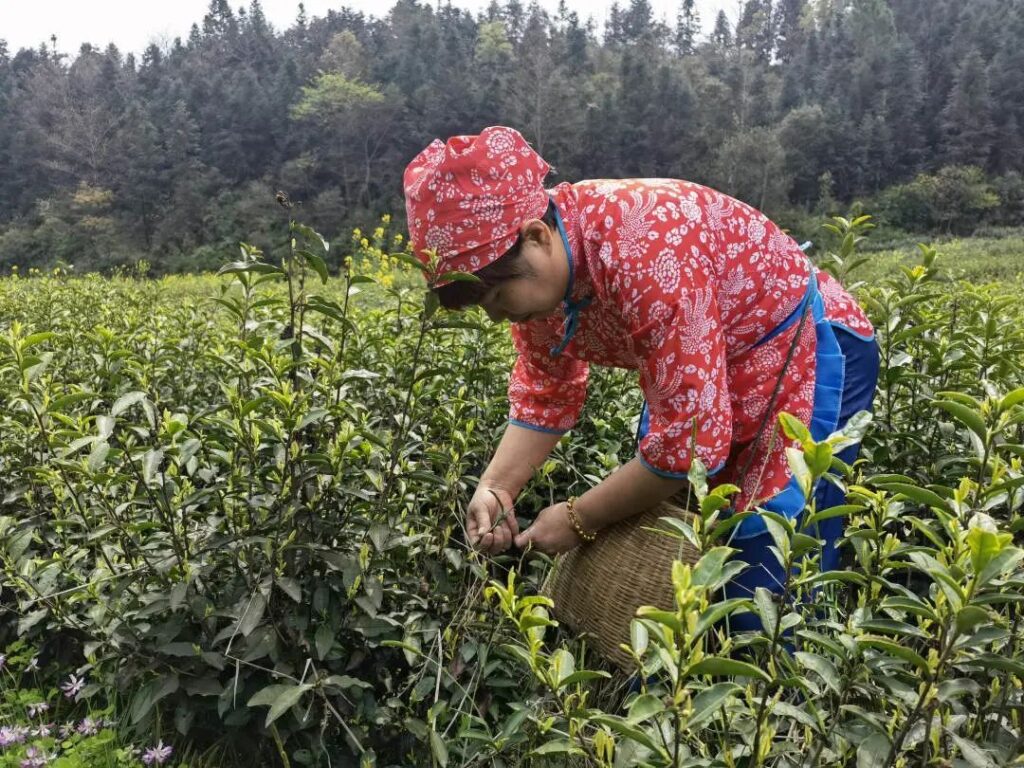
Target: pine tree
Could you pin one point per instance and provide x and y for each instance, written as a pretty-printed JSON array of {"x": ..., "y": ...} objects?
[
  {"x": 806, "y": 139},
  {"x": 258, "y": 20},
  {"x": 577, "y": 46},
  {"x": 1008, "y": 155},
  {"x": 902, "y": 108},
  {"x": 790, "y": 34},
  {"x": 138, "y": 181},
  {"x": 967, "y": 125},
  {"x": 687, "y": 27},
  {"x": 1004, "y": 74},
  {"x": 755, "y": 30},
  {"x": 6, "y": 119},
  {"x": 219, "y": 20},
  {"x": 722, "y": 34}
]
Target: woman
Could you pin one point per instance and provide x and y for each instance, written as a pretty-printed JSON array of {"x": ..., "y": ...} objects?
[{"x": 720, "y": 312}]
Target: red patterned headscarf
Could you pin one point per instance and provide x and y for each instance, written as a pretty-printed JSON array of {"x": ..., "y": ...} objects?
[{"x": 468, "y": 197}]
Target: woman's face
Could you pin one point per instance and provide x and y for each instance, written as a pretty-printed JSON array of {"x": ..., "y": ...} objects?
[{"x": 540, "y": 293}]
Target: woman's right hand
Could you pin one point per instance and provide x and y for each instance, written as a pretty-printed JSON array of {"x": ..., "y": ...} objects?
[{"x": 485, "y": 509}]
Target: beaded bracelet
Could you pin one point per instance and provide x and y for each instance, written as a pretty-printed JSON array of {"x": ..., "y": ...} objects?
[{"x": 574, "y": 520}]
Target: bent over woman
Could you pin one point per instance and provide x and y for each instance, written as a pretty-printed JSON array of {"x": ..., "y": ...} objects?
[{"x": 721, "y": 313}]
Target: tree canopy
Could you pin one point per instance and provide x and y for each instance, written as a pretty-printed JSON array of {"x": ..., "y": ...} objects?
[{"x": 173, "y": 157}]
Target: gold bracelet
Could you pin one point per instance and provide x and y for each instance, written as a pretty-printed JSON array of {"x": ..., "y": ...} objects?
[{"x": 574, "y": 520}]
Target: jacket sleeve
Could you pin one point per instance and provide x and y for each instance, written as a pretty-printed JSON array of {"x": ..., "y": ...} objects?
[
  {"x": 545, "y": 393},
  {"x": 671, "y": 312}
]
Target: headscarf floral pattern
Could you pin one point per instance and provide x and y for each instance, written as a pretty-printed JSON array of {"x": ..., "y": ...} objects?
[{"x": 467, "y": 197}]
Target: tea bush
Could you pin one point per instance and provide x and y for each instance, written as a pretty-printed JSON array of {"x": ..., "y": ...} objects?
[
  {"x": 234, "y": 505},
  {"x": 994, "y": 257}
]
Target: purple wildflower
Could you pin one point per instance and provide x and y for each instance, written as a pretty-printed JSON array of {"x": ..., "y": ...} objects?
[
  {"x": 3, "y": 660},
  {"x": 43, "y": 730},
  {"x": 88, "y": 727},
  {"x": 157, "y": 755},
  {"x": 73, "y": 685},
  {"x": 34, "y": 710},
  {"x": 33, "y": 666},
  {"x": 66, "y": 730},
  {"x": 12, "y": 734},
  {"x": 36, "y": 758}
]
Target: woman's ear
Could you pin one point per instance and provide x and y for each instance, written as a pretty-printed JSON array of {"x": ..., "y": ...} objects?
[{"x": 536, "y": 231}]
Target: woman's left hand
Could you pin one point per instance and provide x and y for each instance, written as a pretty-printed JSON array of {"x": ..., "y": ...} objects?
[{"x": 551, "y": 532}]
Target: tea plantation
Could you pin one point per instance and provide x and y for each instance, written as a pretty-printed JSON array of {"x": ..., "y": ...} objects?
[{"x": 231, "y": 534}]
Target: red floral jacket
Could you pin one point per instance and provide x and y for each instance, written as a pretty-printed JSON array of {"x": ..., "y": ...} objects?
[{"x": 683, "y": 282}]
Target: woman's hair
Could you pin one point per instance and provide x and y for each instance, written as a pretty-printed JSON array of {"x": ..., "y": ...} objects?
[{"x": 511, "y": 264}]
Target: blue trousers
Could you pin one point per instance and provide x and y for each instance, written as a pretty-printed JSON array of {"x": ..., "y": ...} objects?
[{"x": 861, "y": 360}]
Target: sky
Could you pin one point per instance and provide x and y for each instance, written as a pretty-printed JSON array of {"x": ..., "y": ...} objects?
[{"x": 133, "y": 24}]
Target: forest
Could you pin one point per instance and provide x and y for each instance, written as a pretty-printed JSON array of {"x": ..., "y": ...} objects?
[{"x": 910, "y": 110}]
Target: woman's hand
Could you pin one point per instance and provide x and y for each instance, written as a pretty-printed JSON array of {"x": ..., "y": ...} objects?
[
  {"x": 551, "y": 532},
  {"x": 519, "y": 453},
  {"x": 491, "y": 520}
]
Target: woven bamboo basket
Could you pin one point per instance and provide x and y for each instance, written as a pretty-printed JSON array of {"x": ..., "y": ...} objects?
[{"x": 598, "y": 587}]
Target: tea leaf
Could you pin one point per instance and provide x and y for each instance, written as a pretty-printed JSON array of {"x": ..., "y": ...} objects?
[
  {"x": 98, "y": 455},
  {"x": 667, "y": 618},
  {"x": 238, "y": 267},
  {"x": 716, "y": 665},
  {"x": 316, "y": 262},
  {"x": 708, "y": 702},
  {"x": 126, "y": 401},
  {"x": 1016, "y": 397},
  {"x": 709, "y": 568},
  {"x": 873, "y": 751},
  {"x": 974, "y": 755},
  {"x": 894, "y": 649},
  {"x": 966, "y": 416},
  {"x": 440, "y": 751},
  {"x": 795, "y": 429},
  {"x": 252, "y": 614},
  {"x": 280, "y": 698},
  {"x": 824, "y": 668},
  {"x": 969, "y": 617},
  {"x": 324, "y": 640},
  {"x": 151, "y": 693},
  {"x": 630, "y": 731},
  {"x": 766, "y": 609},
  {"x": 638, "y": 636},
  {"x": 582, "y": 676},
  {"x": 150, "y": 464},
  {"x": 411, "y": 260},
  {"x": 555, "y": 747},
  {"x": 458, "y": 277},
  {"x": 920, "y": 495}
]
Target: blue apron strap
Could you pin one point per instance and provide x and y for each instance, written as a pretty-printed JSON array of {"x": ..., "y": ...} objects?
[
  {"x": 569, "y": 307},
  {"x": 829, "y": 378},
  {"x": 793, "y": 317}
]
